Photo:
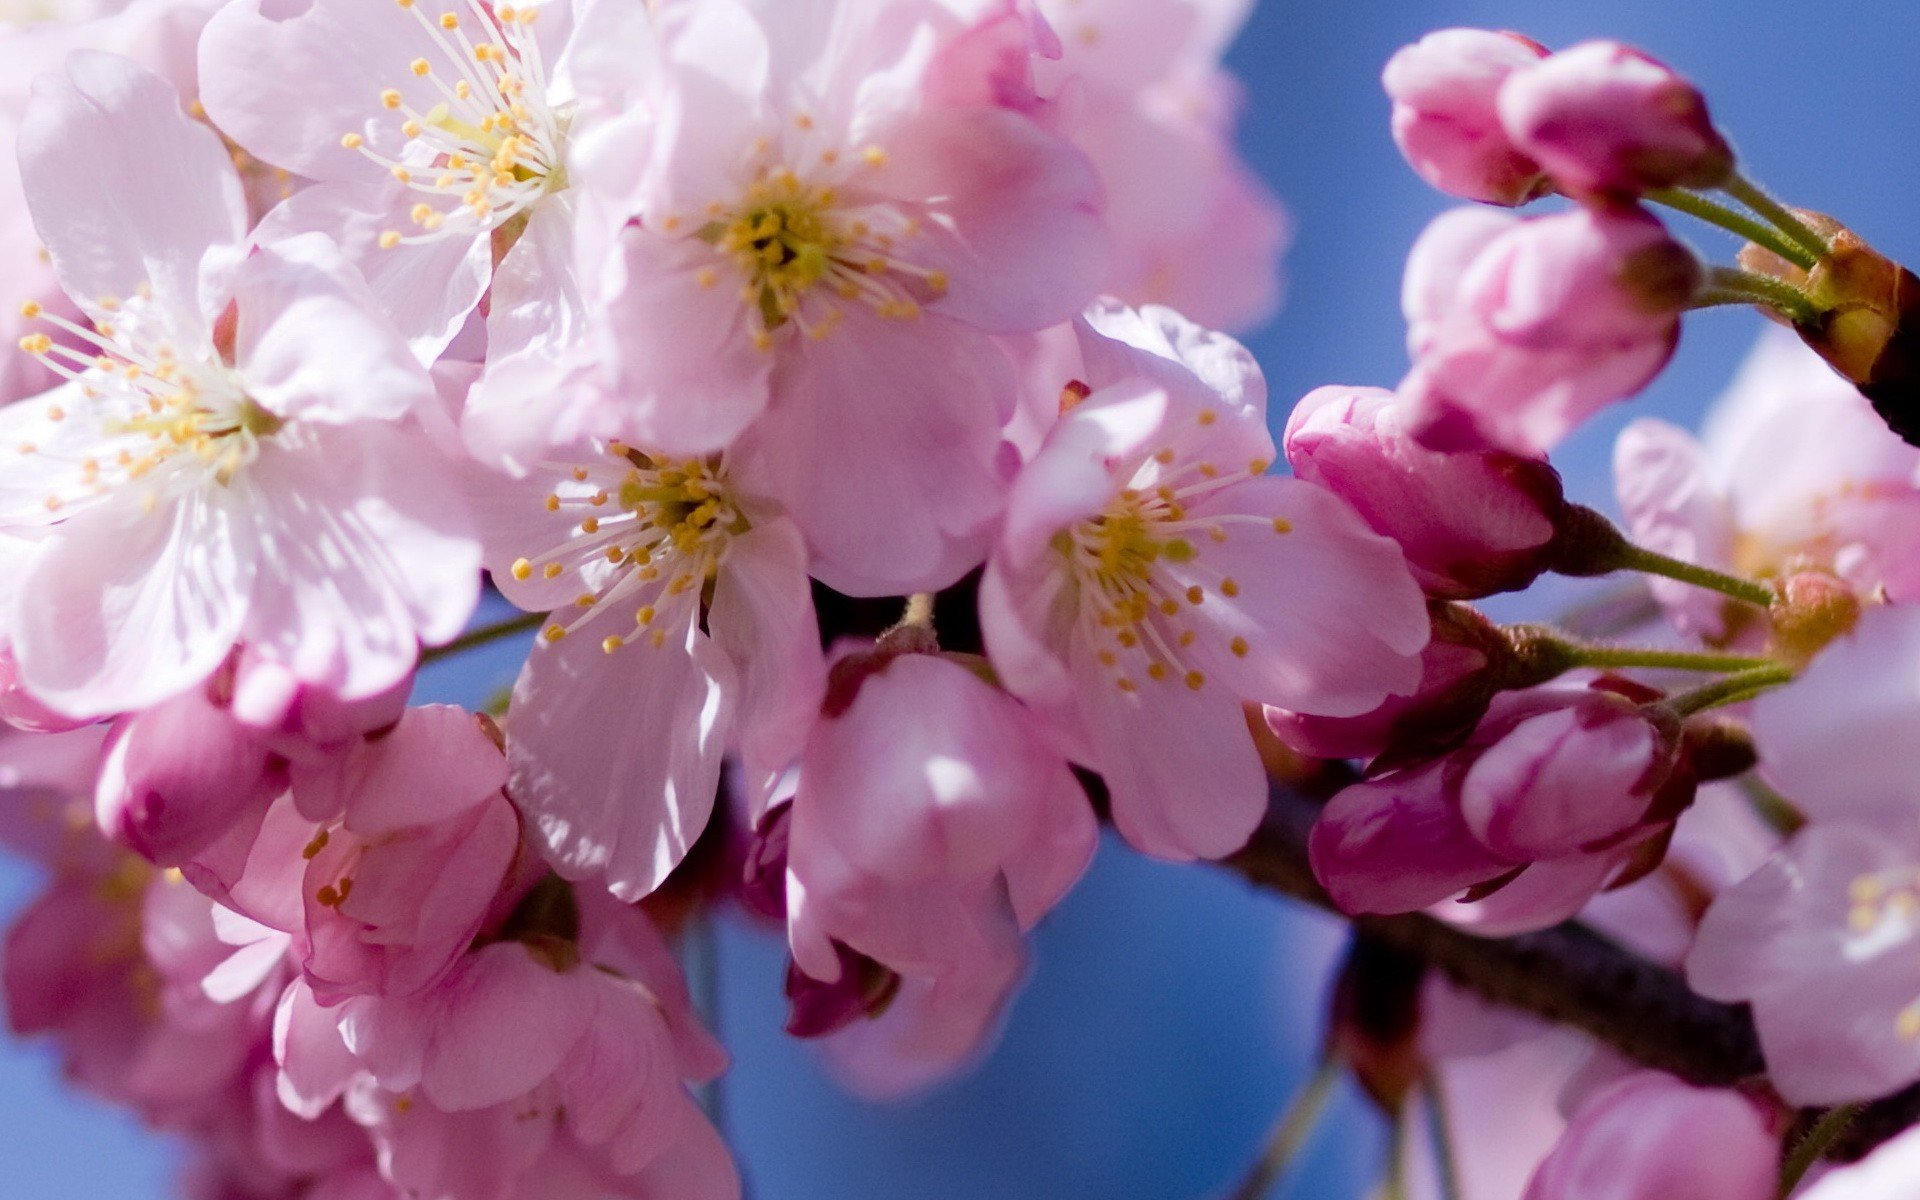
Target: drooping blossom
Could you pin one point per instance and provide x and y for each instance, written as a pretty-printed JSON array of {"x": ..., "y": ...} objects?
[
  {"x": 681, "y": 628},
  {"x": 1838, "y": 902},
  {"x": 378, "y": 868},
  {"x": 435, "y": 132},
  {"x": 931, "y": 827},
  {"x": 1471, "y": 522},
  {"x": 554, "y": 1061},
  {"x": 827, "y": 262},
  {"x": 1520, "y": 329},
  {"x": 1602, "y": 117},
  {"x": 1139, "y": 87},
  {"x": 1557, "y": 794},
  {"x": 1792, "y": 471},
  {"x": 1642, "y": 1138},
  {"x": 1445, "y": 90},
  {"x": 1151, "y": 579},
  {"x": 227, "y": 462}
]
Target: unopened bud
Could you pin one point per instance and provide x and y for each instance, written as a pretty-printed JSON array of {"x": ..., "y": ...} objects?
[
  {"x": 1601, "y": 117},
  {"x": 1465, "y": 662}
]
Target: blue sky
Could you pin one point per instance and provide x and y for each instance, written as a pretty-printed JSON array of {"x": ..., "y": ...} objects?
[{"x": 1171, "y": 1010}]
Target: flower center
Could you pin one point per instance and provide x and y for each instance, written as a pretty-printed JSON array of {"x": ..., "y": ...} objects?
[
  {"x": 150, "y": 415},
  {"x": 1141, "y": 573},
  {"x": 805, "y": 247},
  {"x": 491, "y": 145},
  {"x": 650, "y": 533}
]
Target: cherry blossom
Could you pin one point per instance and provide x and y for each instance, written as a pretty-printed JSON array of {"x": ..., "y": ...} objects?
[
  {"x": 1151, "y": 579},
  {"x": 208, "y": 449}
]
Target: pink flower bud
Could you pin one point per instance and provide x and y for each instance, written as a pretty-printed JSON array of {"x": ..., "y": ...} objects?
[
  {"x": 1524, "y": 329},
  {"x": 1445, "y": 91},
  {"x": 1603, "y": 117},
  {"x": 1651, "y": 1137},
  {"x": 1562, "y": 791},
  {"x": 181, "y": 774},
  {"x": 1458, "y": 677},
  {"x": 1557, "y": 770},
  {"x": 1470, "y": 523}
]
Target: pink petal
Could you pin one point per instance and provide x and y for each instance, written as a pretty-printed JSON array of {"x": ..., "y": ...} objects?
[
  {"x": 125, "y": 190},
  {"x": 124, "y": 608},
  {"x": 1016, "y": 220},
  {"x": 917, "y": 512},
  {"x": 615, "y": 758}
]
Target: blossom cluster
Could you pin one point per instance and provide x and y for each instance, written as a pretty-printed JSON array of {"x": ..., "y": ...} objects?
[
  {"x": 704, "y": 330},
  {"x": 661, "y": 320}
]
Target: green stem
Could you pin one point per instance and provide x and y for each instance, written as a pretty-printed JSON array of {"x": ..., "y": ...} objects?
[
  {"x": 1770, "y": 806},
  {"x": 1735, "y": 222},
  {"x": 1394, "y": 1186},
  {"x": 1810, "y": 1148},
  {"x": 1749, "y": 193},
  {"x": 1446, "y": 1170},
  {"x": 1650, "y": 562},
  {"x": 1761, "y": 289},
  {"x": 1290, "y": 1133},
  {"x": 1675, "y": 660},
  {"x": 1732, "y": 689},
  {"x": 479, "y": 637}
]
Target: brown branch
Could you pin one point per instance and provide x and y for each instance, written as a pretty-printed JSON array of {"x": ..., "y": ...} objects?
[{"x": 1568, "y": 974}]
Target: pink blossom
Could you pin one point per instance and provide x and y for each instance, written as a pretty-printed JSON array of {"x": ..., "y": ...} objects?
[
  {"x": 1642, "y": 1138},
  {"x": 1140, "y": 89},
  {"x": 523, "y": 1060},
  {"x": 1522, "y": 329},
  {"x": 427, "y": 127},
  {"x": 1601, "y": 117},
  {"x": 1445, "y": 90},
  {"x": 1820, "y": 941},
  {"x": 1793, "y": 470},
  {"x": 184, "y": 502},
  {"x": 932, "y": 825},
  {"x": 380, "y": 866},
  {"x": 806, "y": 250},
  {"x": 1471, "y": 522},
  {"x": 623, "y": 548},
  {"x": 1151, "y": 579},
  {"x": 1550, "y": 799}
]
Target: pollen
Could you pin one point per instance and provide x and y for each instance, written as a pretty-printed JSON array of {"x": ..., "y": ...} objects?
[{"x": 522, "y": 569}]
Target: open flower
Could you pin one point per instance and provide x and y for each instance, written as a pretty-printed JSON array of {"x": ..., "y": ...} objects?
[
  {"x": 682, "y": 627},
  {"x": 435, "y": 132},
  {"x": 1152, "y": 578},
  {"x": 226, "y": 462}
]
